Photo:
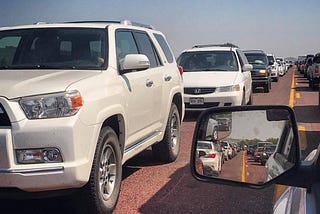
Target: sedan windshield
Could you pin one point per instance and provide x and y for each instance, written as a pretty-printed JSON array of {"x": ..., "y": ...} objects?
[
  {"x": 53, "y": 48},
  {"x": 208, "y": 61}
]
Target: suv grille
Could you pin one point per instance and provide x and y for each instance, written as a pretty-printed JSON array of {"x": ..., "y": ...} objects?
[
  {"x": 4, "y": 119},
  {"x": 196, "y": 91}
]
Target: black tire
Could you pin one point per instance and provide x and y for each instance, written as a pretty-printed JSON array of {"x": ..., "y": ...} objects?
[
  {"x": 100, "y": 194},
  {"x": 168, "y": 149},
  {"x": 310, "y": 83},
  {"x": 267, "y": 88},
  {"x": 250, "y": 102},
  {"x": 243, "y": 101},
  {"x": 276, "y": 79}
]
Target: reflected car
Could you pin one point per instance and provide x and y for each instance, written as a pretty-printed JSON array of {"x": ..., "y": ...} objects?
[
  {"x": 212, "y": 157},
  {"x": 224, "y": 124},
  {"x": 267, "y": 152},
  {"x": 258, "y": 153},
  {"x": 229, "y": 153}
]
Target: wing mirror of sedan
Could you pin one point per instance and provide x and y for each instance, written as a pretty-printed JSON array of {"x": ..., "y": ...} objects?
[
  {"x": 134, "y": 62},
  {"x": 247, "y": 67},
  {"x": 272, "y": 130}
]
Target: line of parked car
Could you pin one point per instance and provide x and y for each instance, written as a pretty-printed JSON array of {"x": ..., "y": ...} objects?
[{"x": 309, "y": 66}]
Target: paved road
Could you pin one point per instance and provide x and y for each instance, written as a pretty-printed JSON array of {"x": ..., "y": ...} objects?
[{"x": 150, "y": 187}]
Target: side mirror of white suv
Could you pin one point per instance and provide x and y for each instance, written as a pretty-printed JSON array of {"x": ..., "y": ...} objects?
[
  {"x": 247, "y": 67},
  {"x": 136, "y": 62}
]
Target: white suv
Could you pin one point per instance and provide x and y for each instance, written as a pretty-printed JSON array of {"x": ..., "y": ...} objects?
[
  {"x": 273, "y": 67},
  {"x": 77, "y": 100},
  {"x": 215, "y": 75}
]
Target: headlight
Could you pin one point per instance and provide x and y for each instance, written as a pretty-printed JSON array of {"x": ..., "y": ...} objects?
[
  {"x": 52, "y": 106},
  {"x": 263, "y": 72},
  {"x": 228, "y": 88}
]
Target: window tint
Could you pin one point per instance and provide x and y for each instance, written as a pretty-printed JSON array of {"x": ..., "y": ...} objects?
[
  {"x": 316, "y": 59},
  {"x": 242, "y": 58},
  {"x": 257, "y": 58},
  {"x": 125, "y": 44},
  {"x": 53, "y": 48},
  {"x": 146, "y": 48},
  {"x": 208, "y": 61},
  {"x": 8, "y": 46},
  {"x": 165, "y": 47}
]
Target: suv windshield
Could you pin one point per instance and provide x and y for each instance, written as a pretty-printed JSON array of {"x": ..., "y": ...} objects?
[
  {"x": 208, "y": 61},
  {"x": 257, "y": 58},
  {"x": 53, "y": 48}
]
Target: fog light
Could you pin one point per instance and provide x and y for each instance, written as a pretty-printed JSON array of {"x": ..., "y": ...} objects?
[{"x": 45, "y": 155}]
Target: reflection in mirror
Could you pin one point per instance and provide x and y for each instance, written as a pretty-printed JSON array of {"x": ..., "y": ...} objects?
[{"x": 251, "y": 146}]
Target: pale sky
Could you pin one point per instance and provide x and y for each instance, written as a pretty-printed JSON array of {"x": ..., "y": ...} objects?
[{"x": 283, "y": 27}]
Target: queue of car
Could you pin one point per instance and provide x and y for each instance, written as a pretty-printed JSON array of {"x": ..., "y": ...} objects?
[
  {"x": 309, "y": 66},
  {"x": 261, "y": 151},
  {"x": 217, "y": 75}
]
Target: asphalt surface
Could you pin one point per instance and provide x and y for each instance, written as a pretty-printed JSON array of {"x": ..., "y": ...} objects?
[{"x": 151, "y": 187}]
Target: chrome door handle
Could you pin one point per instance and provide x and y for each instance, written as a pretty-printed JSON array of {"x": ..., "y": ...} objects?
[
  {"x": 167, "y": 78},
  {"x": 149, "y": 83}
]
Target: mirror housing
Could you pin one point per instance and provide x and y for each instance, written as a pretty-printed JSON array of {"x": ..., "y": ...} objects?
[
  {"x": 252, "y": 121},
  {"x": 135, "y": 62},
  {"x": 247, "y": 67}
]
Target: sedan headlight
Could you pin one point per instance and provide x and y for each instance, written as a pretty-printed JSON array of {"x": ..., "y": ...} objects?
[
  {"x": 228, "y": 88},
  {"x": 52, "y": 106}
]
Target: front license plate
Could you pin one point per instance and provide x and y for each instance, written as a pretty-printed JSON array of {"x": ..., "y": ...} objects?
[{"x": 197, "y": 101}]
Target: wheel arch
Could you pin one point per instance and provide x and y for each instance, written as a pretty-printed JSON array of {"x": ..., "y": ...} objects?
[
  {"x": 117, "y": 123},
  {"x": 178, "y": 101}
]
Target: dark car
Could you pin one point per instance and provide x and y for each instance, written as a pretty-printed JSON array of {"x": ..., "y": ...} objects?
[
  {"x": 268, "y": 150},
  {"x": 258, "y": 153},
  {"x": 251, "y": 149},
  {"x": 261, "y": 73},
  {"x": 224, "y": 124}
]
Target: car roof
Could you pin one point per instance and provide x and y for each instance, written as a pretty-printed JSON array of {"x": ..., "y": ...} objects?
[
  {"x": 254, "y": 51},
  {"x": 80, "y": 24},
  {"x": 213, "y": 47}
]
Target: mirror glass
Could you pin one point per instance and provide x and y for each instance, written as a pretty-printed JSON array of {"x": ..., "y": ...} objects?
[{"x": 251, "y": 146}]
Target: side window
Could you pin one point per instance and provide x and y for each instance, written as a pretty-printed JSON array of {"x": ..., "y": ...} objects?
[
  {"x": 125, "y": 44},
  {"x": 165, "y": 47},
  {"x": 242, "y": 58},
  {"x": 8, "y": 47},
  {"x": 147, "y": 48}
]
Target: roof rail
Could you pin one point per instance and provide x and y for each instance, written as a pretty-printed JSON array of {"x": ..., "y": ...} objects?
[
  {"x": 128, "y": 22},
  {"x": 124, "y": 22},
  {"x": 216, "y": 45}
]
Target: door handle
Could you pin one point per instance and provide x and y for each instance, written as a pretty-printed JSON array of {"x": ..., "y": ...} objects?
[
  {"x": 167, "y": 78},
  {"x": 149, "y": 83}
]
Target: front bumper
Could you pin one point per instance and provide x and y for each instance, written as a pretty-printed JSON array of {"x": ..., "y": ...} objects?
[
  {"x": 66, "y": 134},
  {"x": 213, "y": 100}
]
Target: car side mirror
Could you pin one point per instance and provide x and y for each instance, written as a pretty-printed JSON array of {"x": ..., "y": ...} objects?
[
  {"x": 250, "y": 126},
  {"x": 247, "y": 67},
  {"x": 134, "y": 62}
]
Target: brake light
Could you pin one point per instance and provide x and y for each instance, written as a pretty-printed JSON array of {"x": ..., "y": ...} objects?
[
  {"x": 212, "y": 155},
  {"x": 316, "y": 70},
  {"x": 180, "y": 70}
]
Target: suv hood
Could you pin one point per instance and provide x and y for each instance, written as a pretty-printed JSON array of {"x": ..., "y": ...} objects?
[
  {"x": 21, "y": 83},
  {"x": 209, "y": 79}
]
